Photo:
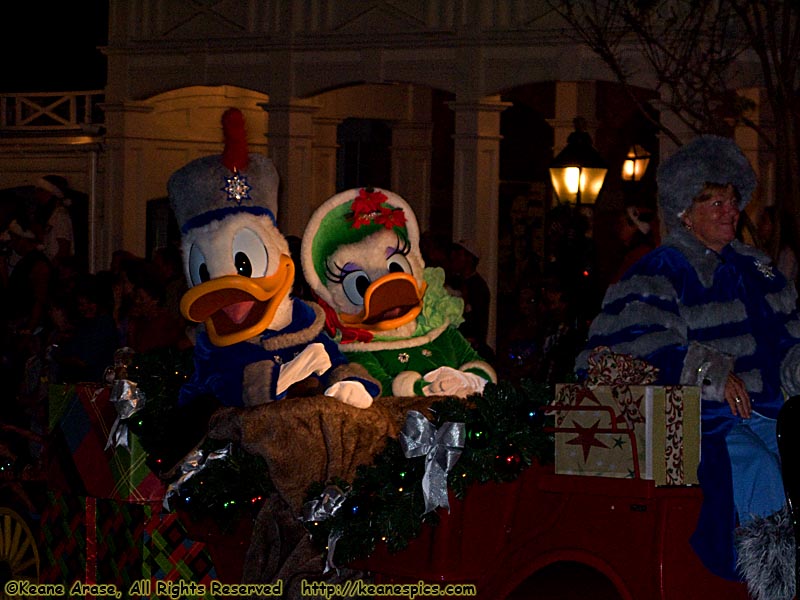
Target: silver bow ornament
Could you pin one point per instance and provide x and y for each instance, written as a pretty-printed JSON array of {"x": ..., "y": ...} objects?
[
  {"x": 441, "y": 450},
  {"x": 128, "y": 399},
  {"x": 322, "y": 508},
  {"x": 193, "y": 463},
  {"x": 325, "y": 506}
]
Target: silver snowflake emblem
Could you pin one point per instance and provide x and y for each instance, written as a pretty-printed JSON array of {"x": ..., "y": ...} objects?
[
  {"x": 765, "y": 270},
  {"x": 403, "y": 357},
  {"x": 237, "y": 188}
]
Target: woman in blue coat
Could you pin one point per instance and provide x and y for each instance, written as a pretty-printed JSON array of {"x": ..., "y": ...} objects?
[{"x": 708, "y": 310}]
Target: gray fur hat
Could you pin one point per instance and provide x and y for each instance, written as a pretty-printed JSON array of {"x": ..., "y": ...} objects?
[
  {"x": 706, "y": 159},
  {"x": 212, "y": 187}
]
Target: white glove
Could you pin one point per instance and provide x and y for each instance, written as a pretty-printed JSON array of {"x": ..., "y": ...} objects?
[
  {"x": 350, "y": 392},
  {"x": 313, "y": 359},
  {"x": 447, "y": 381}
]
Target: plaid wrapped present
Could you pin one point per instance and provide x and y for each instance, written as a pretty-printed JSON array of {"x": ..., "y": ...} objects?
[
  {"x": 118, "y": 472},
  {"x": 99, "y": 540},
  {"x": 59, "y": 397},
  {"x": 93, "y": 540},
  {"x": 63, "y": 539},
  {"x": 169, "y": 554}
]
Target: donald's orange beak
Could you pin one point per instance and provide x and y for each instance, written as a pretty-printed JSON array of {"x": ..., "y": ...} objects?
[{"x": 236, "y": 308}]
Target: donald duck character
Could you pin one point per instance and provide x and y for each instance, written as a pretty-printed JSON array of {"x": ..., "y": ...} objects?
[
  {"x": 361, "y": 257},
  {"x": 254, "y": 340}
]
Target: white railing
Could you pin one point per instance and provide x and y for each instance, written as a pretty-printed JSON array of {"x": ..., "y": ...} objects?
[{"x": 50, "y": 111}]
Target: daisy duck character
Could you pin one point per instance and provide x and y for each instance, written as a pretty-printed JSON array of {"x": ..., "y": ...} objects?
[
  {"x": 361, "y": 257},
  {"x": 255, "y": 341}
]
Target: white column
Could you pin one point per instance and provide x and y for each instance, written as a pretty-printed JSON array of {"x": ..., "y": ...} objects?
[
  {"x": 121, "y": 219},
  {"x": 667, "y": 146},
  {"x": 94, "y": 222},
  {"x": 747, "y": 139},
  {"x": 476, "y": 181},
  {"x": 411, "y": 166},
  {"x": 324, "y": 158},
  {"x": 291, "y": 137},
  {"x": 573, "y": 99}
]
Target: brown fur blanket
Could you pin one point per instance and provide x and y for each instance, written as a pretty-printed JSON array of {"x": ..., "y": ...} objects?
[{"x": 303, "y": 441}]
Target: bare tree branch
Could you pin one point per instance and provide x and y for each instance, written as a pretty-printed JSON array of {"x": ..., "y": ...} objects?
[{"x": 694, "y": 50}]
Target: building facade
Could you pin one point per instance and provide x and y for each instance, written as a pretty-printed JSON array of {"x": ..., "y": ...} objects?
[{"x": 453, "y": 82}]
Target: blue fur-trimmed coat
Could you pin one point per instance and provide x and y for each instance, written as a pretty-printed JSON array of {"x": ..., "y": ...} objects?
[
  {"x": 687, "y": 310},
  {"x": 246, "y": 374}
]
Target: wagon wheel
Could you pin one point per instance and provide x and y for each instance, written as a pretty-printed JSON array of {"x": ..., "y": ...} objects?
[{"x": 19, "y": 556}]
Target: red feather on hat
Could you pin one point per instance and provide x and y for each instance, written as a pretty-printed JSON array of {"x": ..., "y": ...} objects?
[{"x": 235, "y": 155}]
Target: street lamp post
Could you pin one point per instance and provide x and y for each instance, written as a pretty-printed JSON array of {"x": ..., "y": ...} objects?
[
  {"x": 578, "y": 171},
  {"x": 635, "y": 191},
  {"x": 635, "y": 164}
]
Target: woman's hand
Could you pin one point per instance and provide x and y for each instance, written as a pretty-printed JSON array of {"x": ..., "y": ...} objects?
[{"x": 737, "y": 397}]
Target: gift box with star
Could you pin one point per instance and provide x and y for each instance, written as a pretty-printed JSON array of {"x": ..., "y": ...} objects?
[
  {"x": 607, "y": 427},
  {"x": 636, "y": 432}
]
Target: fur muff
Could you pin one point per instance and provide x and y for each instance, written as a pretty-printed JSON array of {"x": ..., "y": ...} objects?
[{"x": 766, "y": 560}]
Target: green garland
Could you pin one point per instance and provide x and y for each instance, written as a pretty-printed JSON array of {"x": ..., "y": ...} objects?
[
  {"x": 505, "y": 433},
  {"x": 167, "y": 431},
  {"x": 225, "y": 491}
]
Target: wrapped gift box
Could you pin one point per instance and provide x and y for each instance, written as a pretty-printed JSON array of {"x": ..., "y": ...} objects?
[
  {"x": 118, "y": 472},
  {"x": 95, "y": 540},
  {"x": 62, "y": 540},
  {"x": 98, "y": 540},
  {"x": 59, "y": 397},
  {"x": 171, "y": 555},
  {"x": 628, "y": 431}
]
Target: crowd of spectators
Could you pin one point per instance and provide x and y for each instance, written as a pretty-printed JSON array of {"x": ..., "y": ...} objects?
[{"x": 60, "y": 323}]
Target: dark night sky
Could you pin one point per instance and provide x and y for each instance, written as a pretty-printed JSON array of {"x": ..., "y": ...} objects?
[{"x": 51, "y": 45}]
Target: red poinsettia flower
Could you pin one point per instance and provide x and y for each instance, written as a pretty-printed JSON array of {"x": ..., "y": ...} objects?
[
  {"x": 391, "y": 217},
  {"x": 331, "y": 319},
  {"x": 359, "y": 220},
  {"x": 367, "y": 202}
]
